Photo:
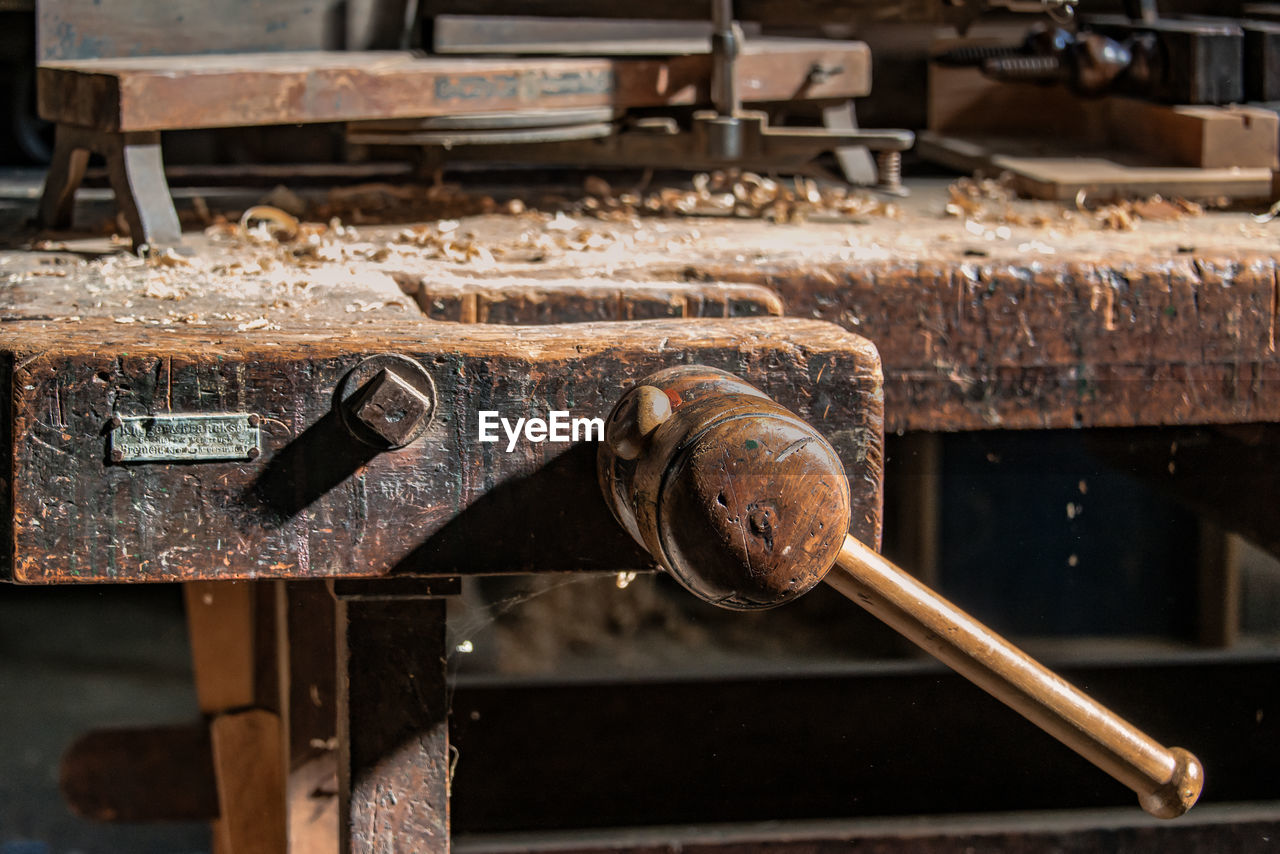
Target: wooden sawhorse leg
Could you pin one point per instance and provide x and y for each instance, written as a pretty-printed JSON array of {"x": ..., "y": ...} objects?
[{"x": 136, "y": 170}]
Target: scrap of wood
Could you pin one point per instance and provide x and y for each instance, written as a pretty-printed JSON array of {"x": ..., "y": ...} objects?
[{"x": 1047, "y": 174}]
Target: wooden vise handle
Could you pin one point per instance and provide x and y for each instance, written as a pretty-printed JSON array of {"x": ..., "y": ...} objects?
[{"x": 748, "y": 507}]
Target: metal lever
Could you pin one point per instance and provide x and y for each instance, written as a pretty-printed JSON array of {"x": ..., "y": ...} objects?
[
  {"x": 1167, "y": 779},
  {"x": 748, "y": 507}
]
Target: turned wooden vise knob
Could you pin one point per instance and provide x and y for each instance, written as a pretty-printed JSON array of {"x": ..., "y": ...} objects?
[{"x": 747, "y": 506}]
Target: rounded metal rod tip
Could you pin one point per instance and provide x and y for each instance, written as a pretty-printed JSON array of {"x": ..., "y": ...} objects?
[{"x": 1181, "y": 792}]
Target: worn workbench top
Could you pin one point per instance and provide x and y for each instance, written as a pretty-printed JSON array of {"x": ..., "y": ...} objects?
[{"x": 988, "y": 312}]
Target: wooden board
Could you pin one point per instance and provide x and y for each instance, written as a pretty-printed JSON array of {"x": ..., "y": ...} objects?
[
  {"x": 81, "y": 29},
  {"x": 161, "y": 93},
  {"x": 1235, "y": 136},
  {"x": 787, "y": 13},
  {"x": 1056, "y": 143},
  {"x": 962, "y": 101},
  {"x": 526, "y": 34},
  {"x": 1050, "y": 170},
  {"x": 317, "y": 502}
]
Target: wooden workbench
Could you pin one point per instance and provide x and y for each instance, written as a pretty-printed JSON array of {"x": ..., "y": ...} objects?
[
  {"x": 1037, "y": 318},
  {"x": 981, "y": 322}
]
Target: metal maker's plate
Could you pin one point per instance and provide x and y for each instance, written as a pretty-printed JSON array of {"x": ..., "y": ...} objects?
[{"x": 185, "y": 438}]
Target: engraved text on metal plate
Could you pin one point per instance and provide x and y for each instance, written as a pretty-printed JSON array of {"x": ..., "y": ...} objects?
[{"x": 180, "y": 438}]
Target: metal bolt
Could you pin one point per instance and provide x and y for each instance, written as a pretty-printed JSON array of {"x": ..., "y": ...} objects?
[
  {"x": 1029, "y": 69},
  {"x": 889, "y": 172},
  {"x": 391, "y": 408},
  {"x": 254, "y": 453},
  {"x": 117, "y": 455},
  {"x": 116, "y": 423},
  {"x": 255, "y": 420},
  {"x": 973, "y": 55},
  {"x": 820, "y": 73}
]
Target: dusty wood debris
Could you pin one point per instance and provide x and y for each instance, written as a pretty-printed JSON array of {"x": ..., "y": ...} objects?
[
  {"x": 736, "y": 193},
  {"x": 990, "y": 201}
]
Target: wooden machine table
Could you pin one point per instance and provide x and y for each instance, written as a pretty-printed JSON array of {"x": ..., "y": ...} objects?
[{"x": 918, "y": 322}]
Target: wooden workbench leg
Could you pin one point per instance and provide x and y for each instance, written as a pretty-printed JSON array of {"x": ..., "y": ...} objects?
[
  {"x": 393, "y": 726},
  {"x": 136, "y": 169},
  {"x": 310, "y": 715},
  {"x": 71, "y": 151},
  {"x": 232, "y": 630}
]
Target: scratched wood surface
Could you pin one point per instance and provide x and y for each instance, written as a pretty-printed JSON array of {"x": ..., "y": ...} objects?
[
  {"x": 317, "y": 502},
  {"x": 1087, "y": 343},
  {"x": 163, "y": 93},
  {"x": 1063, "y": 325},
  {"x": 997, "y": 322}
]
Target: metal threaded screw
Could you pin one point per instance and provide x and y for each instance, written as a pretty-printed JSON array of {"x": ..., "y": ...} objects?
[
  {"x": 889, "y": 172},
  {"x": 975, "y": 54},
  {"x": 1024, "y": 68}
]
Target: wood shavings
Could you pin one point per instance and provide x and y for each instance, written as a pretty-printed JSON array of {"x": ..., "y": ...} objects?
[
  {"x": 971, "y": 196},
  {"x": 1118, "y": 217},
  {"x": 1159, "y": 209},
  {"x": 991, "y": 200},
  {"x": 168, "y": 258},
  {"x": 561, "y": 222},
  {"x": 384, "y": 202},
  {"x": 1125, "y": 215},
  {"x": 981, "y": 202},
  {"x": 363, "y": 307},
  {"x": 1271, "y": 214},
  {"x": 732, "y": 193},
  {"x": 596, "y": 186},
  {"x": 263, "y": 224},
  {"x": 260, "y": 323},
  {"x": 446, "y": 243}
]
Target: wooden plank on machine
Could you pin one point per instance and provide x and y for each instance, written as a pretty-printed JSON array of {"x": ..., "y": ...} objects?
[
  {"x": 531, "y": 34},
  {"x": 1235, "y": 136},
  {"x": 1056, "y": 143},
  {"x": 964, "y": 103},
  {"x": 163, "y": 93},
  {"x": 1061, "y": 176}
]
